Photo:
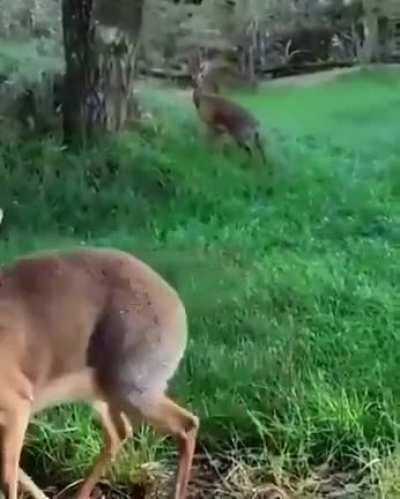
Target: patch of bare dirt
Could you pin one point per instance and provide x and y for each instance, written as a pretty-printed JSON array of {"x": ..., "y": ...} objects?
[{"x": 224, "y": 477}]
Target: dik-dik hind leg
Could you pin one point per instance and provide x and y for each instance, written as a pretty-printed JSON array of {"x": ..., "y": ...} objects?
[
  {"x": 13, "y": 432},
  {"x": 241, "y": 141},
  {"x": 169, "y": 418},
  {"x": 259, "y": 145},
  {"x": 73, "y": 387},
  {"x": 116, "y": 430}
]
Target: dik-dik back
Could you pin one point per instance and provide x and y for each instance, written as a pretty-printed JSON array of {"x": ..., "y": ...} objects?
[
  {"x": 220, "y": 113},
  {"x": 93, "y": 325},
  {"x": 83, "y": 305}
]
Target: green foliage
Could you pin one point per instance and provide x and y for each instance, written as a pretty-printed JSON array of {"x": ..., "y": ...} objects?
[{"x": 292, "y": 296}]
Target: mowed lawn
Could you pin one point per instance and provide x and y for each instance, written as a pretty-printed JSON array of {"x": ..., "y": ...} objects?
[{"x": 292, "y": 296}]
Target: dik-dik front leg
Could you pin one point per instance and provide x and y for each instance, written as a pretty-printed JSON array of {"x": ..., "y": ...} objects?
[
  {"x": 116, "y": 430},
  {"x": 15, "y": 422}
]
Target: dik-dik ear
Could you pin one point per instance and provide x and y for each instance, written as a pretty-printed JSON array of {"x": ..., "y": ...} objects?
[
  {"x": 204, "y": 69},
  {"x": 194, "y": 67},
  {"x": 198, "y": 76},
  {"x": 208, "y": 79}
]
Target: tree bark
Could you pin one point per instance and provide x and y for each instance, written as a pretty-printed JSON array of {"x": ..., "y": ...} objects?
[
  {"x": 370, "y": 51},
  {"x": 80, "y": 80},
  {"x": 98, "y": 85},
  {"x": 116, "y": 78}
]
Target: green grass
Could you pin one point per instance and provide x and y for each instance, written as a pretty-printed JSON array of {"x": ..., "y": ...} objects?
[
  {"x": 292, "y": 296},
  {"x": 22, "y": 60}
]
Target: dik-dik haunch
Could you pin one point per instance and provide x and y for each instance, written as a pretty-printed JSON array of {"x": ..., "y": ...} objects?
[{"x": 91, "y": 325}]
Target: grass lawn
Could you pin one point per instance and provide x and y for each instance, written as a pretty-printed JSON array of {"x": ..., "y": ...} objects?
[{"x": 292, "y": 296}]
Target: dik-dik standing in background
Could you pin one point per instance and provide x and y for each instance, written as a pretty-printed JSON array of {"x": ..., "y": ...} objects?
[
  {"x": 221, "y": 115},
  {"x": 97, "y": 326}
]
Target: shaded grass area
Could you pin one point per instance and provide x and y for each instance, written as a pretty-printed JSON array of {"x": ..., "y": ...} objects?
[{"x": 292, "y": 296}]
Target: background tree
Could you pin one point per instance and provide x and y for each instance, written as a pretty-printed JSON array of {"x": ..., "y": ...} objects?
[{"x": 100, "y": 41}]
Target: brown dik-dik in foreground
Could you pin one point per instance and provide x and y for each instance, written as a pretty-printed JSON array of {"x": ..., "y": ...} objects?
[
  {"x": 97, "y": 326},
  {"x": 221, "y": 115}
]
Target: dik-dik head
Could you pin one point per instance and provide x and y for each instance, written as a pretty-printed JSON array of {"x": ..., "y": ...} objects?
[
  {"x": 203, "y": 81},
  {"x": 215, "y": 76}
]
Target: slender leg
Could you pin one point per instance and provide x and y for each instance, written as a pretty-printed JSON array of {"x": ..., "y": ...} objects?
[
  {"x": 16, "y": 423},
  {"x": 29, "y": 485},
  {"x": 116, "y": 430},
  {"x": 77, "y": 386},
  {"x": 187, "y": 445},
  {"x": 259, "y": 145},
  {"x": 168, "y": 417},
  {"x": 245, "y": 147}
]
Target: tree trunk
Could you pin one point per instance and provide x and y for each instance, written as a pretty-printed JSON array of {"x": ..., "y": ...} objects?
[
  {"x": 370, "y": 52},
  {"x": 357, "y": 32},
  {"x": 116, "y": 79},
  {"x": 100, "y": 46},
  {"x": 78, "y": 32}
]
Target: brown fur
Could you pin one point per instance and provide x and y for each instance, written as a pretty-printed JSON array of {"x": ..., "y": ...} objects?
[
  {"x": 92, "y": 325},
  {"x": 221, "y": 115}
]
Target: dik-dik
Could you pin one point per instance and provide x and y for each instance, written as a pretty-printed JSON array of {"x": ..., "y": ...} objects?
[
  {"x": 97, "y": 326},
  {"x": 221, "y": 115}
]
